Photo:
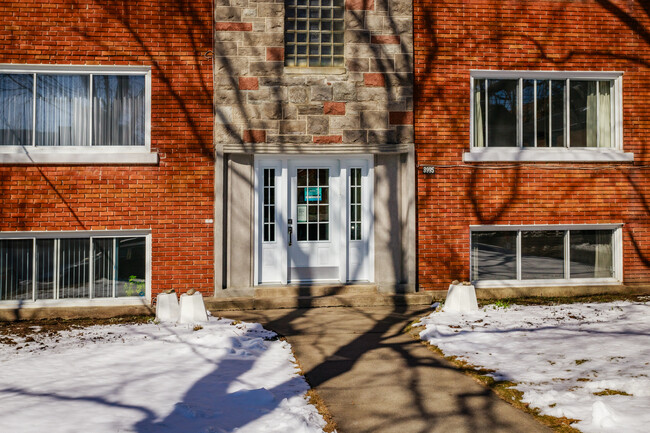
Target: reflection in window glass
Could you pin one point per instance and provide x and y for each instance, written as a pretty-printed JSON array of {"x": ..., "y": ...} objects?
[
  {"x": 131, "y": 259},
  {"x": 502, "y": 112},
  {"x": 355, "y": 204},
  {"x": 542, "y": 254},
  {"x": 16, "y": 99},
  {"x": 103, "y": 258},
  {"x": 118, "y": 110},
  {"x": 62, "y": 110},
  {"x": 591, "y": 254},
  {"x": 494, "y": 255},
  {"x": 45, "y": 271},
  {"x": 16, "y": 269},
  {"x": 74, "y": 273},
  {"x": 268, "y": 205},
  {"x": 313, "y": 204}
]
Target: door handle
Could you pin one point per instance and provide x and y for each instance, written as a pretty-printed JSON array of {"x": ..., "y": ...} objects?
[{"x": 290, "y": 235}]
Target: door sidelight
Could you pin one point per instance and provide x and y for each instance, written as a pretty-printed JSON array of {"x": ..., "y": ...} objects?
[{"x": 290, "y": 232}]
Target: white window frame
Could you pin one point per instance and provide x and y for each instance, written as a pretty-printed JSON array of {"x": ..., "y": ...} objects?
[
  {"x": 83, "y": 302},
  {"x": 566, "y": 154},
  {"x": 617, "y": 252},
  {"x": 83, "y": 154}
]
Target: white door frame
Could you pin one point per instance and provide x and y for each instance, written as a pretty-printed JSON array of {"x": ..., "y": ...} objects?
[{"x": 282, "y": 164}]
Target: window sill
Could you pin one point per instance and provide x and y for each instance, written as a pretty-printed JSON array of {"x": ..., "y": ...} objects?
[
  {"x": 511, "y": 154},
  {"x": 491, "y": 284},
  {"x": 77, "y": 156},
  {"x": 96, "y": 302},
  {"x": 324, "y": 70}
]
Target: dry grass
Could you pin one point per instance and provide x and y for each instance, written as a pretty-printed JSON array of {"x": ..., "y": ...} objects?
[{"x": 611, "y": 392}]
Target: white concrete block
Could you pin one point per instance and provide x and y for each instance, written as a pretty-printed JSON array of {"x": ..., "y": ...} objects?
[
  {"x": 192, "y": 309},
  {"x": 461, "y": 298},
  {"x": 167, "y": 307}
]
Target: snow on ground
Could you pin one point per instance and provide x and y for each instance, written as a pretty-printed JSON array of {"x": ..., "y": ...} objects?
[
  {"x": 561, "y": 357},
  {"x": 161, "y": 378}
]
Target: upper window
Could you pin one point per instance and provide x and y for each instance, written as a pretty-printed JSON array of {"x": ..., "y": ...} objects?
[
  {"x": 44, "y": 109},
  {"x": 313, "y": 32},
  {"x": 545, "y": 110},
  {"x": 72, "y": 110}
]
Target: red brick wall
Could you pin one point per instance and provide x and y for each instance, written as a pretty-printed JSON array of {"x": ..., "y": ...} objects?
[
  {"x": 173, "y": 198},
  {"x": 453, "y": 37}
]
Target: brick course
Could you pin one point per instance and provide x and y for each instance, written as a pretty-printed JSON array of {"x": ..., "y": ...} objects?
[
  {"x": 454, "y": 37},
  {"x": 173, "y": 198}
]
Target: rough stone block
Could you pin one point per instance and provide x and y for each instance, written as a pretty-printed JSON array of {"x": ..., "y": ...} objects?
[
  {"x": 249, "y": 83},
  {"x": 357, "y": 65},
  {"x": 227, "y": 14},
  {"x": 275, "y": 54},
  {"x": 292, "y": 126},
  {"x": 385, "y": 39},
  {"x": 334, "y": 108},
  {"x": 232, "y": 27},
  {"x": 270, "y": 10},
  {"x": 357, "y": 37},
  {"x": 272, "y": 110},
  {"x": 404, "y": 134},
  {"x": 379, "y": 136},
  {"x": 355, "y": 136},
  {"x": 318, "y": 125},
  {"x": 373, "y": 119},
  {"x": 327, "y": 139},
  {"x": 401, "y": 117},
  {"x": 321, "y": 93},
  {"x": 266, "y": 68},
  {"x": 297, "y": 95},
  {"x": 360, "y": 5},
  {"x": 374, "y": 80},
  {"x": 340, "y": 123},
  {"x": 310, "y": 109},
  {"x": 344, "y": 91},
  {"x": 254, "y": 136},
  {"x": 355, "y": 20}
]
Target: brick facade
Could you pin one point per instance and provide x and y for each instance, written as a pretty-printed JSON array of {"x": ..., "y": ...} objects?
[
  {"x": 454, "y": 37},
  {"x": 173, "y": 198}
]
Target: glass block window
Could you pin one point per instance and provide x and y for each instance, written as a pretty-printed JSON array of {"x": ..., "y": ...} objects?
[
  {"x": 269, "y": 205},
  {"x": 313, "y": 32},
  {"x": 355, "y": 204},
  {"x": 72, "y": 268},
  {"x": 313, "y": 213}
]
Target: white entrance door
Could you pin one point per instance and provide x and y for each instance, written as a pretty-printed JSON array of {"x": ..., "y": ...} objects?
[
  {"x": 314, "y": 222},
  {"x": 314, "y": 219}
]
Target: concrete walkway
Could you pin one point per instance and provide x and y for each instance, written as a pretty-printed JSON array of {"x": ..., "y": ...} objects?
[{"x": 375, "y": 378}]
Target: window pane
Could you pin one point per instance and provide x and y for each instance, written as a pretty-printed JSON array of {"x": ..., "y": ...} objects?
[
  {"x": 528, "y": 113},
  {"x": 604, "y": 114},
  {"x": 16, "y": 269},
  {"x": 591, "y": 254},
  {"x": 542, "y": 254},
  {"x": 74, "y": 272},
  {"x": 16, "y": 99},
  {"x": 582, "y": 104},
  {"x": 62, "y": 110},
  {"x": 558, "y": 113},
  {"x": 502, "y": 113},
  {"x": 45, "y": 280},
  {"x": 494, "y": 255},
  {"x": 543, "y": 90},
  {"x": 131, "y": 263},
  {"x": 103, "y": 266},
  {"x": 479, "y": 113},
  {"x": 118, "y": 110}
]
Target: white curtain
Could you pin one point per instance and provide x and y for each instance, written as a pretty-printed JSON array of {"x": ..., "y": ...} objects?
[
  {"x": 16, "y": 98},
  {"x": 118, "y": 110},
  {"x": 604, "y": 114},
  {"x": 62, "y": 110},
  {"x": 479, "y": 140}
]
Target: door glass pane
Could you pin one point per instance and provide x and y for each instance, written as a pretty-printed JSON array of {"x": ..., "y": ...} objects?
[
  {"x": 591, "y": 254},
  {"x": 103, "y": 267},
  {"x": 45, "y": 279},
  {"x": 16, "y": 269},
  {"x": 74, "y": 272},
  {"x": 502, "y": 113},
  {"x": 62, "y": 110},
  {"x": 494, "y": 255},
  {"x": 542, "y": 254},
  {"x": 269, "y": 205},
  {"x": 355, "y": 204},
  {"x": 313, "y": 204},
  {"x": 16, "y": 99},
  {"x": 131, "y": 261}
]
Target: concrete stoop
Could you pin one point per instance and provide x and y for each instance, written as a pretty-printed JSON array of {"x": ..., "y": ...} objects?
[{"x": 366, "y": 295}]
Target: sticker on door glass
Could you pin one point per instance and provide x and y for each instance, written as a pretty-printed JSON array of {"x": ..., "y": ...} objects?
[
  {"x": 302, "y": 213},
  {"x": 313, "y": 194}
]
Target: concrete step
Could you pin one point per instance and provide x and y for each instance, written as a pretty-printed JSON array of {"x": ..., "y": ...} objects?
[
  {"x": 315, "y": 290},
  {"x": 345, "y": 300}
]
